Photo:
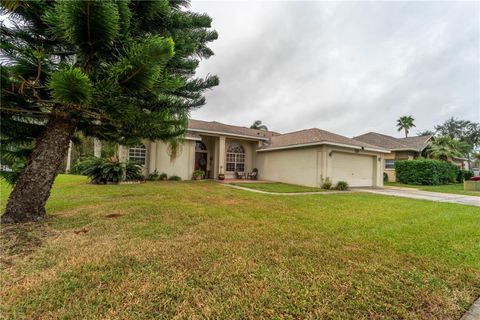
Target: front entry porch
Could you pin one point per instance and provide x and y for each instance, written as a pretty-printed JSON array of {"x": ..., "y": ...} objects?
[{"x": 232, "y": 157}]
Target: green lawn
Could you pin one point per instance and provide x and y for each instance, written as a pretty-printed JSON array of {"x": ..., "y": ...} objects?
[
  {"x": 202, "y": 250},
  {"x": 446, "y": 188},
  {"x": 277, "y": 187}
]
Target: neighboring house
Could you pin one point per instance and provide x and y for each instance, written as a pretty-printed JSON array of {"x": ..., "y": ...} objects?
[
  {"x": 304, "y": 157},
  {"x": 400, "y": 148}
]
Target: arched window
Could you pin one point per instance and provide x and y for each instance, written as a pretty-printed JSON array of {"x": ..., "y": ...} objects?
[
  {"x": 200, "y": 147},
  {"x": 235, "y": 158},
  {"x": 138, "y": 154}
]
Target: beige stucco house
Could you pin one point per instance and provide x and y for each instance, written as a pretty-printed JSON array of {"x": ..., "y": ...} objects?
[
  {"x": 400, "y": 148},
  {"x": 305, "y": 157}
]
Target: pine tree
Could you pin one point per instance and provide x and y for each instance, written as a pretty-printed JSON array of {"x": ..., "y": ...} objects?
[{"x": 116, "y": 70}]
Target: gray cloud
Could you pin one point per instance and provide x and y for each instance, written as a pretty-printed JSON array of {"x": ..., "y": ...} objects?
[{"x": 343, "y": 67}]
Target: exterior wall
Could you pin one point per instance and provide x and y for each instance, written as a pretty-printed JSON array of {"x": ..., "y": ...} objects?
[
  {"x": 296, "y": 166},
  {"x": 405, "y": 155},
  {"x": 158, "y": 158},
  {"x": 309, "y": 166}
]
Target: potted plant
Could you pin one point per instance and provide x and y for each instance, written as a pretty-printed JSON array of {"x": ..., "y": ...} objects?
[{"x": 198, "y": 174}]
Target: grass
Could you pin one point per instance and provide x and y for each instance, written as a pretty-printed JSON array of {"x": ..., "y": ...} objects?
[
  {"x": 277, "y": 187},
  {"x": 201, "y": 250},
  {"x": 456, "y": 188}
]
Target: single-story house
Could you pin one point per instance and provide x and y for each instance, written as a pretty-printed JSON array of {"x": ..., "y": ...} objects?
[
  {"x": 408, "y": 148},
  {"x": 305, "y": 157}
]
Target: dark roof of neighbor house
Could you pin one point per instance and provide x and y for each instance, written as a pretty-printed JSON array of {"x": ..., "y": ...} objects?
[
  {"x": 217, "y": 127},
  {"x": 417, "y": 143},
  {"x": 314, "y": 136}
]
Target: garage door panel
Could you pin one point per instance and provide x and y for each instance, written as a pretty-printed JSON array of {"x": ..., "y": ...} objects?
[{"x": 356, "y": 169}]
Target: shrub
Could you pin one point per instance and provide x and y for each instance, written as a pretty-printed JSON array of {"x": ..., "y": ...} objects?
[
  {"x": 327, "y": 184},
  {"x": 460, "y": 175},
  {"x": 425, "y": 172},
  {"x": 154, "y": 176},
  {"x": 163, "y": 176},
  {"x": 467, "y": 174},
  {"x": 110, "y": 170},
  {"x": 79, "y": 166},
  {"x": 175, "y": 178},
  {"x": 342, "y": 185},
  {"x": 385, "y": 177},
  {"x": 134, "y": 171}
]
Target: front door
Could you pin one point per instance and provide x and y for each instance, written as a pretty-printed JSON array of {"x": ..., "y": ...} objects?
[{"x": 201, "y": 161}]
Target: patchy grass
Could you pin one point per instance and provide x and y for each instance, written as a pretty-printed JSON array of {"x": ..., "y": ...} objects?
[
  {"x": 277, "y": 187},
  {"x": 456, "y": 188},
  {"x": 199, "y": 250}
]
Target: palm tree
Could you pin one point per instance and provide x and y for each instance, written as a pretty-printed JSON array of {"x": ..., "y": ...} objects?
[
  {"x": 405, "y": 123},
  {"x": 445, "y": 147},
  {"x": 257, "y": 124}
]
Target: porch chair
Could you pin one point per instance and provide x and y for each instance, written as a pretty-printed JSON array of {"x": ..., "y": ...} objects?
[
  {"x": 253, "y": 175},
  {"x": 239, "y": 175}
]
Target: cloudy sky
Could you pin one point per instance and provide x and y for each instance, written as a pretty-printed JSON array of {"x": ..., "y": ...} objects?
[{"x": 346, "y": 67}]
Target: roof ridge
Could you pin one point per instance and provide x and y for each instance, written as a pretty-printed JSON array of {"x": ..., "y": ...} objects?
[
  {"x": 297, "y": 131},
  {"x": 231, "y": 125}
]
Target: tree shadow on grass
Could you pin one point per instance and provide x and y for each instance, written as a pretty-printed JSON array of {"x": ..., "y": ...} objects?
[{"x": 22, "y": 240}]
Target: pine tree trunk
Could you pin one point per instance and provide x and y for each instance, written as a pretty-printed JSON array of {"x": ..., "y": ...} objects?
[{"x": 30, "y": 194}]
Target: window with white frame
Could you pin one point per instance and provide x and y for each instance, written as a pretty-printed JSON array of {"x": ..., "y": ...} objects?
[
  {"x": 389, "y": 164},
  {"x": 235, "y": 158},
  {"x": 138, "y": 154}
]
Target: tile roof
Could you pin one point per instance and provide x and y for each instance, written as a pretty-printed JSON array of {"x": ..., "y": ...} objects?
[
  {"x": 417, "y": 143},
  {"x": 313, "y": 135},
  {"x": 214, "y": 126}
]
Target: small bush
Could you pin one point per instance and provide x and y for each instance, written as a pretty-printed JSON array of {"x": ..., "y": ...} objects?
[
  {"x": 467, "y": 174},
  {"x": 385, "y": 177},
  {"x": 174, "y": 178},
  {"x": 163, "y": 176},
  {"x": 425, "y": 172},
  {"x": 154, "y": 176},
  {"x": 110, "y": 170},
  {"x": 327, "y": 184},
  {"x": 79, "y": 166},
  {"x": 342, "y": 185},
  {"x": 133, "y": 171}
]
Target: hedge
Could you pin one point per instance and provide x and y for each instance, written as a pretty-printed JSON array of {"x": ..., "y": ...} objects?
[
  {"x": 465, "y": 175},
  {"x": 426, "y": 172}
]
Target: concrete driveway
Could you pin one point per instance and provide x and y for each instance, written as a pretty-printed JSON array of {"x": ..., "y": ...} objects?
[{"x": 425, "y": 195}]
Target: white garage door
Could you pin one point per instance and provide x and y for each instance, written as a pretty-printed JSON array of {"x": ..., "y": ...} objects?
[{"x": 356, "y": 169}]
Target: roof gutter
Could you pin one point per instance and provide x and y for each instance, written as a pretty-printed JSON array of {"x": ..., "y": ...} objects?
[
  {"x": 406, "y": 149},
  {"x": 292, "y": 146},
  {"x": 228, "y": 134},
  {"x": 193, "y": 138}
]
